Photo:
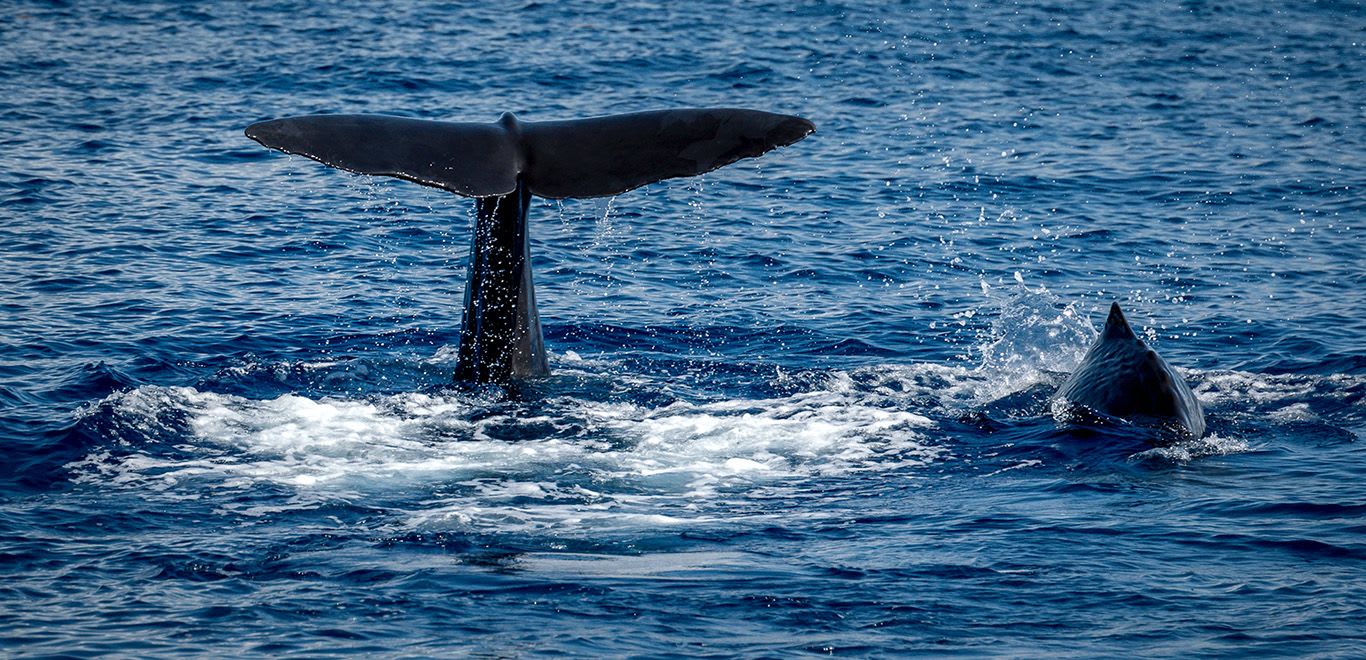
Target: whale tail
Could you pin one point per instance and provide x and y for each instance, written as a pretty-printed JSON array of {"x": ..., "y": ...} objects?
[
  {"x": 503, "y": 165},
  {"x": 595, "y": 157}
]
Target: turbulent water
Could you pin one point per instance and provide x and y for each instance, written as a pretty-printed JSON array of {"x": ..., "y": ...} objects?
[{"x": 800, "y": 405}]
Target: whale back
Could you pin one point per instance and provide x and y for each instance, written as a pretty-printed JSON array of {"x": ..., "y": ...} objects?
[
  {"x": 1121, "y": 377},
  {"x": 593, "y": 157}
]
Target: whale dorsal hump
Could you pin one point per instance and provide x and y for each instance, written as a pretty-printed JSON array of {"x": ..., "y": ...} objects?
[
  {"x": 1116, "y": 326},
  {"x": 594, "y": 157}
]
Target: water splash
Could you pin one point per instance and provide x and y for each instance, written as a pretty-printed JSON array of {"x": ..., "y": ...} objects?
[{"x": 1034, "y": 336}]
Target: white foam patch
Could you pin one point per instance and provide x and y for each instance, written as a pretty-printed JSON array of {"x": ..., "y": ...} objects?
[
  {"x": 1022, "y": 465},
  {"x": 1242, "y": 388},
  {"x": 1295, "y": 412},
  {"x": 671, "y": 566},
  {"x": 952, "y": 388},
  {"x": 1187, "y": 451},
  {"x": 583, "y": 464}
]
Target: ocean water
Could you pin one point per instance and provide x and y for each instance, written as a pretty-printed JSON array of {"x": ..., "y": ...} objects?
[{"x": 800, "y": 404}]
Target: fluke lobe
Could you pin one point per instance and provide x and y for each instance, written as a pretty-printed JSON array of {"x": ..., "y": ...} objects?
[
  {"x": 502, "y": 165},
  {"x": 1121, "y": 377}
]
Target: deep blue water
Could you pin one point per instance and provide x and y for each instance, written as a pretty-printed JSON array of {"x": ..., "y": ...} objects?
[{"x": 800, "y": 404}]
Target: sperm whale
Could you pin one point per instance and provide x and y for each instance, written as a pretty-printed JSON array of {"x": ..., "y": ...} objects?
[
  {"x": 1121, "y": 377},
  {"x": 502, "y": 165}
]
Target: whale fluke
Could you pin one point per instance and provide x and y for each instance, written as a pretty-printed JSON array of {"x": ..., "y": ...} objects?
[
  {"x": 503, "y": 164},
  {"x": 609, "y": 155},
  {"x": 476, "y": 160},
  {"x": 594, "y": 157},
  {"x": 1121, "y": 377}
]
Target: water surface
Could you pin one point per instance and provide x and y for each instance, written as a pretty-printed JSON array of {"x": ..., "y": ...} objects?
[{"x": 800, "y": 404}]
